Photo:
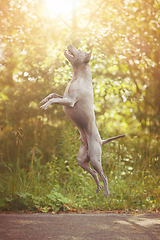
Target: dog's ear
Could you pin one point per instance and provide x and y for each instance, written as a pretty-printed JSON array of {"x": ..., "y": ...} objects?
[{"x": 88, "y": 57}]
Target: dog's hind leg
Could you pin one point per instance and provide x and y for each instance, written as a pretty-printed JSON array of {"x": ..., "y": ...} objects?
[
  {"x": 84, "y": 161},
  {"x": 95, "y": 158}
]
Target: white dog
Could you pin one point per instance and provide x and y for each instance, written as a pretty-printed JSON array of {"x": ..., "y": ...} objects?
[{"x": 77, "y": 103}]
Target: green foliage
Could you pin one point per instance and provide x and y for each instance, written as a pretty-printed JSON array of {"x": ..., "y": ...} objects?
[
  {"x": 27, "y": 201},
  {"x": 62, "y": 185},
  {"x": 36, "y": 190}
]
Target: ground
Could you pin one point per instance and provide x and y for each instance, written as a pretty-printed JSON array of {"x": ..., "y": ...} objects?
[{"x": 70, "y": 226}]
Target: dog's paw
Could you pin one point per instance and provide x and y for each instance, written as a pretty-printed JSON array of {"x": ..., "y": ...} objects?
[
  {"x": 106, "y": 194},
  {"x": 44, "y": 107},
  {"x": 44, "y": 101},
  {"x": 98, "y": 189}
]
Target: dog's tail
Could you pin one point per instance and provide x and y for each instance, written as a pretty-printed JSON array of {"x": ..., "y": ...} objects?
[{"x": 112, "y": 138}]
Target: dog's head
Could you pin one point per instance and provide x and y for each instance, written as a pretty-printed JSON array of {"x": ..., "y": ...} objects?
[{"x": 76, "y": 56}]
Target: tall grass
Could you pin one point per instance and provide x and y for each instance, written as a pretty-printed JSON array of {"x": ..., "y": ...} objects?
[{"x": 60, "y": 184}]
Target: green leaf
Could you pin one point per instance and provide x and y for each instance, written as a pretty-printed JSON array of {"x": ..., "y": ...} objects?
[{"x": 2, "y": 203}]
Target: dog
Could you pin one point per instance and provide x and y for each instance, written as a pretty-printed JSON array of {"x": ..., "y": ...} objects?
[{"x": 78, "y": 105}]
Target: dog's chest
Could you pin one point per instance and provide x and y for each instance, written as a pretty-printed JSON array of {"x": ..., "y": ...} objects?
[
  {"x": 78, "y": 87},
  {"x": 70, "y": 87},
  {"x": 73, "y": 89}
]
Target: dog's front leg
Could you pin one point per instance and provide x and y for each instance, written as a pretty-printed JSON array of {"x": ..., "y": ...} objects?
[
  {"x": 62, "y": 101},
  {"x": 50, "y": 96}
]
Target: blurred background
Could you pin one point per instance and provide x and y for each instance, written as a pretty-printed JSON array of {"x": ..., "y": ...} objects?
[{"x": 38, "y": 149}]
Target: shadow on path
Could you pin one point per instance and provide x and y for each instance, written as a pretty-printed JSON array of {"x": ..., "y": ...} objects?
[{"x": 80, "y": 226}]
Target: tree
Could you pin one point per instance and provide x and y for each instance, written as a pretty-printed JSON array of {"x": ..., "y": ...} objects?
[{"x": 124, "y": 36}]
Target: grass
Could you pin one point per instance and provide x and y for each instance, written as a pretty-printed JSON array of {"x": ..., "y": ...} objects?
[
  {"x": 126, "y": 193},
  {"x": 45, "y": 189},
  {"x": 61, "y": 185}
]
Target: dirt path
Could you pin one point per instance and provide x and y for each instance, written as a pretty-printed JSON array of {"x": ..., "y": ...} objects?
[{"x": 79, "y": 226}]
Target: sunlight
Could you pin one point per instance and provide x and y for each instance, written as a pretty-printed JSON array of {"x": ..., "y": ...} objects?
[{"x": 61, "y": 7}]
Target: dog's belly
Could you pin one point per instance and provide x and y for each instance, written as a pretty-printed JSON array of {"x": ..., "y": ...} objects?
[{"x": 81, "y": 115}]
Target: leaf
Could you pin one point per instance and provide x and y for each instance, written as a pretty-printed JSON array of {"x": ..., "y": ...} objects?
[
  {"x": 21, "y": 195},
  {"x": 2, "y": 203},
  {"x": 45, "y": 210},
  {"x": 51, "y": 196}
]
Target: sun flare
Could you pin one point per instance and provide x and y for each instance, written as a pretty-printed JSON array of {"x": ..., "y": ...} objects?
[{"x": 61, "y": 7}]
